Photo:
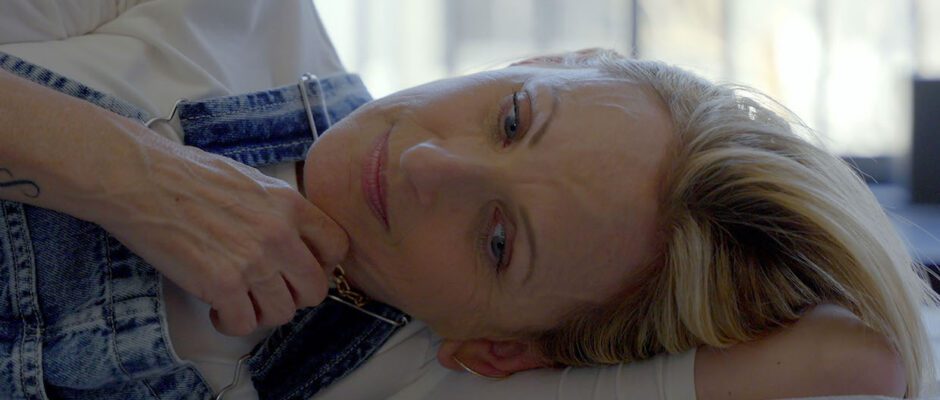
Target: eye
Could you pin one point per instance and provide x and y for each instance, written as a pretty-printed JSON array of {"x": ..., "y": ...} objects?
[
  {"x": 494, "y": 241},
  {"x": 498, "y": 243},
  {"x": 511, "y": 120}
]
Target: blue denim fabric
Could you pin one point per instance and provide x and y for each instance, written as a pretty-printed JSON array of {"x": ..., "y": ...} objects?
[
  {"x": 271, "y": 126},
  {"x": 81, "y": 316},
  {"x": 320, "y": 346}
]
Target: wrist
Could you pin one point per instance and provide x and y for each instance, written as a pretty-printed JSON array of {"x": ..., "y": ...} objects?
[{"x": 117, "y": 178}]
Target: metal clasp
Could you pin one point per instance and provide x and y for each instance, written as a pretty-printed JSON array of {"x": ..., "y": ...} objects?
[
  {"x": 305, "y": 96},
  {"x": 355, "y": 299},
  {"x": 167, "y": 118},
  {"x": 236, "y": 380}
]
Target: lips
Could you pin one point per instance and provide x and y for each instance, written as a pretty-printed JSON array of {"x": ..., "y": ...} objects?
[{"x": 373, "y": 178}]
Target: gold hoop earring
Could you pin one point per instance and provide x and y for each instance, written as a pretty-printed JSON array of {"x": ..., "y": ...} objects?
[{"x": 470, "y": 370}]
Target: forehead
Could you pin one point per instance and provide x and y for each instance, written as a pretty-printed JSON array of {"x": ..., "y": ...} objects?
[{"x": 592, "y": 182}]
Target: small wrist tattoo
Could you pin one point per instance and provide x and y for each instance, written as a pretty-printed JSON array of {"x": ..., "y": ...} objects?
[{"x": 29, "y": 188}]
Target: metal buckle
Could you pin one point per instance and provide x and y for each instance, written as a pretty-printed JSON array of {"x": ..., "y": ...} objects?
[
  {"x": 355, "y": 299},
  {"x": 237, "y": 379},
  {"x": 305, "y": 96},
  {"x": 167, "y": 118}
]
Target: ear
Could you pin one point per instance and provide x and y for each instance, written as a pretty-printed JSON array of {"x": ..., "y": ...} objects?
[{"x": 491, "y": 358}]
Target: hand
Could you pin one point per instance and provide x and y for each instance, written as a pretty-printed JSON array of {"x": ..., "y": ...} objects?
[{"x": 249, "y": 245}]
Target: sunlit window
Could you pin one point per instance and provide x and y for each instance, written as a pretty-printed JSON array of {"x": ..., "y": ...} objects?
[{"x": 844, "y": 66}]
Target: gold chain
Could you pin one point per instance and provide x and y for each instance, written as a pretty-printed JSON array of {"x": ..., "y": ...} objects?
[{"x": 342, "y": 286}]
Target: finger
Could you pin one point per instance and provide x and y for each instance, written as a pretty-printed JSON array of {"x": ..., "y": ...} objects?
[
  {"x": 309, "y": 285},
  {"x": 234, "y": 315},
  {"x": 328, "y": 241},
  {"x": 273, "y": 300},
  {"x": 306, "y": 278}
]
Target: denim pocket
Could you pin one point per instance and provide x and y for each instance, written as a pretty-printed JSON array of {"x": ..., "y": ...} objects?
[{"x": 78, "y": 303}]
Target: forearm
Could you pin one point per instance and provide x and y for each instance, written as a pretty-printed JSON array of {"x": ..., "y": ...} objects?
[
  {"x": 65, "y": 154},
  {"x": 827, "y": 352}
]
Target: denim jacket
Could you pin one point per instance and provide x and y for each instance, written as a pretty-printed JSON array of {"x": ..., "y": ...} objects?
[{"x": 82, "y": 317}]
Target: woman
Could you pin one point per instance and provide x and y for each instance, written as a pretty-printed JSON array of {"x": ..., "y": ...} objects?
[
  {"x": 669, "y": 213},
  {"x": 578, "y": 210}
]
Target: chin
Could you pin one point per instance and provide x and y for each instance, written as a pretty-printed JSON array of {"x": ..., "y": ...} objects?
[{"x": 327, "y": 175}]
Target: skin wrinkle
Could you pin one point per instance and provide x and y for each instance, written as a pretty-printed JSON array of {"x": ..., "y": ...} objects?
[
  {"x": 543, "y": 113},
  {"x": 591, "y": 177}
]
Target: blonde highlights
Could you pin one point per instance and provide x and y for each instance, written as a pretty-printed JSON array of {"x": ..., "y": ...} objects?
[{"x": 757, "y": 225}]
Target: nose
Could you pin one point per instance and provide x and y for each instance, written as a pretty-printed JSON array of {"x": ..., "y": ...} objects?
[{"x": 433, "y": 169}]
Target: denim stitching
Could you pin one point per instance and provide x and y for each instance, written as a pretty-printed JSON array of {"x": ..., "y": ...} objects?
[
  {"x": 321, "y": 103},
  {"x": 322, "y": 99},
  {"x": 38, "y": 335},
  {"x": 13, "y": 254},
  {"x": 164, "y": 335},
  {"x": 20, "y": 223},
  {"x": 16, "y": 296},
  {"x": 19, "y": 220},
  {"x": 242, "y": 150},
  {"x": 109, "y": 316},
  {"x": 264, "y": 107},
  {"x": 315, "y": 379},
  {"x": 279, "y": 349},
  {"x": 149, "y": 388},
  {"x": 156, "y": 311},
  {"x": 363, "y": 336},
  {"x": 25, "y": 331},
  {"x": 22, "y": 366},
  {"x": 62, "y": 84},
  {"x": 329, "y": 367},
  {"x": 111, "y": 320}
]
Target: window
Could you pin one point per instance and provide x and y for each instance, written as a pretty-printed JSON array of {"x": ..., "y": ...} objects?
[{"x": 844, "y": 66}]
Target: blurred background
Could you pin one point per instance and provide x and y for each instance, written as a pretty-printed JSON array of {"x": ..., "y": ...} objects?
[{"x": 844, "y": 66}]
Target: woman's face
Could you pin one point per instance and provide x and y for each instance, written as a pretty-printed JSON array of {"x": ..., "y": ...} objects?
[{"x": 511, "y": 196}]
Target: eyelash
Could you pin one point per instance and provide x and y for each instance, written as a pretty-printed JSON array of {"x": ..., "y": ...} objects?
[
  {"x": 484, "y": 242},
  {"x": 485, "y": 239},
  {"x": 504, "y": 127}
]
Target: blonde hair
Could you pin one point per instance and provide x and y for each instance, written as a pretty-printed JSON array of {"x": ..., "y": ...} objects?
[{"x": 757, "y": 224}]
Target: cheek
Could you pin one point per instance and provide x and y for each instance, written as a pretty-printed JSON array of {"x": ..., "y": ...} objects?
[
  {"x": 327, "y": 173},
  {"x": 333, "y": 167},
  {"x": 334, "y": 149},
  {"x": 438, "y": 280}
]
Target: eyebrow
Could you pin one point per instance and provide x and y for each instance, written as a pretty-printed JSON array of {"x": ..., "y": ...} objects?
[
  {"x": 534, "y": 137},
  {"x": 531, "y": 141}
]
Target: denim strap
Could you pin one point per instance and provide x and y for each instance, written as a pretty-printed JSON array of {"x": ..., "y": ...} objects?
[
  {"x": 318, "y": 347},
  {"x": 236, "y": 126},
  {"x": 70, "y": 87},
  {"x": 260, "y": 128}
]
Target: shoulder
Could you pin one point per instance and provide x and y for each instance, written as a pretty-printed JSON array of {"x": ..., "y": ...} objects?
[{"x": 829, "y": 351}]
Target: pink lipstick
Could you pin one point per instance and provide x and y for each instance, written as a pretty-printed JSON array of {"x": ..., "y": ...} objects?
[{"x": 373, "y": 178}]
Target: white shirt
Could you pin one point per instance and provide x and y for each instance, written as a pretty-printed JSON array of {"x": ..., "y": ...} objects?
[{"x": 152, "y": 53}]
